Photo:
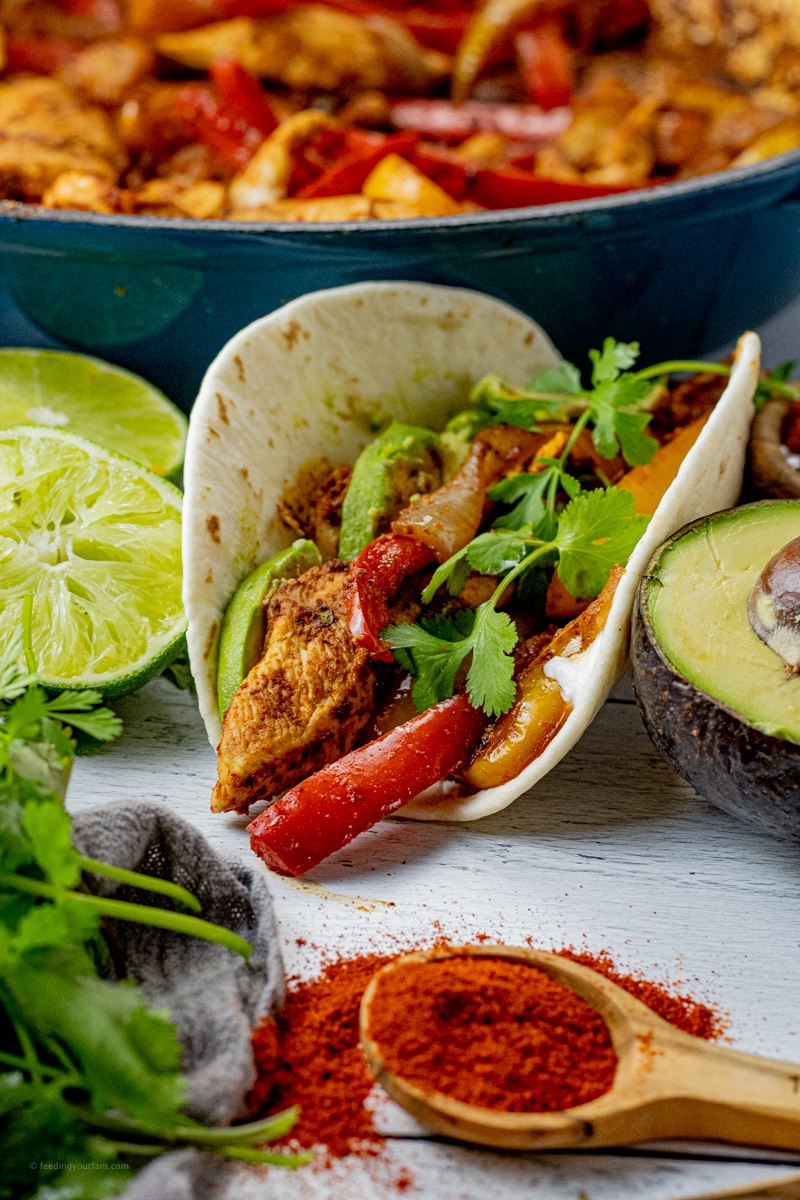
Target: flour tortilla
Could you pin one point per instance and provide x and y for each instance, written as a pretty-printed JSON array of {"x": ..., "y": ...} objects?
[{"x": 316, "y": 378}]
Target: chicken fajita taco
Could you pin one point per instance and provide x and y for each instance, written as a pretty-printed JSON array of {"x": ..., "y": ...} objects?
[{"x": 412, "y": 539}]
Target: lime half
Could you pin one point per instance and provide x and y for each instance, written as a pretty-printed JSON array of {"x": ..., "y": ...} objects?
[
  {"x": 95, "y": 399},
  {"x": 96, "y": 539}
]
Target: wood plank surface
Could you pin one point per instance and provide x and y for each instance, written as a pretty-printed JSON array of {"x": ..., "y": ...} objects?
[{"x": 611, "y": 851}]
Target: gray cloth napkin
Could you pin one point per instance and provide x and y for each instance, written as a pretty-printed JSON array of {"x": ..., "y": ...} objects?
[{"x": 215, "y": 998}]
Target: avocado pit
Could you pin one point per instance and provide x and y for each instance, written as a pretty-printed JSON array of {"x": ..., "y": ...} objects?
[{"x": 773, "y": 606}]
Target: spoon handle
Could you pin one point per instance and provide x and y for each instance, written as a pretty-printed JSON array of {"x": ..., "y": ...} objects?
[{"x": 709, "y": 1092}]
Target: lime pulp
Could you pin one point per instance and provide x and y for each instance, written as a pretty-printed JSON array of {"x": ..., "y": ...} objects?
[{"x": 96, "y": 539}]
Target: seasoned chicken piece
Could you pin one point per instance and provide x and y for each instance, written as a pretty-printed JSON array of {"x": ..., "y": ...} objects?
[
  {"x": 171, "y": 198},
  {"x": 104, "y": 71},
  {"x": 312, "y": 46},
  {"x": 89, "y": 193},
  {"x": 45, "y": 130},
  {"x": 304, "y": 704}
]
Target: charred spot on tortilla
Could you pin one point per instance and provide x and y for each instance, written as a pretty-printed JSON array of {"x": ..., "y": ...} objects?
[
  {"x": 291, "y": 334},
  {"x": 213, "y": 527},
  {"x": 211, "y": 639},
  {"x": 222, "y": 409},
  {"x": 237, "y": 362}
]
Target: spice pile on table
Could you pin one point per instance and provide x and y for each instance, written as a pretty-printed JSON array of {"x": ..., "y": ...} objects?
[
  {"x": 377, "y": 109},
  {"x": 312, "y": 1057}
]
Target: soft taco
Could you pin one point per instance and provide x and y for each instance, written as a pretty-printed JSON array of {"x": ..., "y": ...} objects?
[{"x": 504, "y": 511}]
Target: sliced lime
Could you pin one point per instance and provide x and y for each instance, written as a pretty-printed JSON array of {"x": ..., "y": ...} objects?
[
  {"x": 96, "y": 539},
  {"x": 95, "y": 399},
  {"x": 241, "y": 637}
]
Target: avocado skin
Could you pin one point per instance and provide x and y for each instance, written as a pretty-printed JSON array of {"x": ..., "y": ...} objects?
[{"x": 745, "y": 772}]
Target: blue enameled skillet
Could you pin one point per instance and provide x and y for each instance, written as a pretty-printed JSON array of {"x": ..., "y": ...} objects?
[{"x": 682, "y": 268}]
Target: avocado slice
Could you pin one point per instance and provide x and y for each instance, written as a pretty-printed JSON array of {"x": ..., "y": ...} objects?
[
  {"x": 402, "y": 461},
  {"x": 715, "y": 699}
]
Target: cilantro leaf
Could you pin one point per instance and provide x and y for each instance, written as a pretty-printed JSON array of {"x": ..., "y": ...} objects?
[
  {"x": 77, "y": 709},
  {"x": 439, "y": 646},
  {"x": 564, "y": 378},
  {"x": 637, "y": 447},
  {"x": 15, "y": 849},
  {"x": 53, "y": 924},
  {"x": 24, "y": 718},
  {"x": 497, "y": 551},
  {"x": 453, "y": 572},
  {"x": 607, "y": 405},
  {"x": 530, "y": 491},
  {"x": 39, "y": 1126},
  {"x": 595, "y": 532},
  {"x": 490, "y": 679},
  {"x": 128, "y": 1055},
  {"x": 50, "y": 831},
  {"x": 436, "y": 661},
  {"x": 782, "y": 373},
  {"x": 612, "y": 360}
]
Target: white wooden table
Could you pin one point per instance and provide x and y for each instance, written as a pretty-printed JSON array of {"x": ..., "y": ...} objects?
[{"x": 611, "y": 851}]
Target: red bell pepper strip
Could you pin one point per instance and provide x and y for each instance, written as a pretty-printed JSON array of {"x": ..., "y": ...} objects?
[
  {"x": 438, "y": 30},
  {"x": 453, "y": 122},
  {"x": 242, "y": 99},
  {"x": 444, "y": 167},
  {"x": 349, "y": 174},
  {"x": 547, "y": 64},
  {"x": 325, "y": 812},
  {"x": 375, "y": 576},
  {"x": 231, "y": 120},
  {"x": 45, "y": 55},
  {"x": 106, "y": 12},
  {"x": 511, "y": 187}
]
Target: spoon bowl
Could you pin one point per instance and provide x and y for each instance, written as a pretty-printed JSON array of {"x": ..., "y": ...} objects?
[{"x": 668, "y": 1084}]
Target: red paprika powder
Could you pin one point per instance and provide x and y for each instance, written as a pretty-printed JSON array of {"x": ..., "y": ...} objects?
[
  {"x": 499, "y": 1034},
  {"x": 315, "y": 1060}
]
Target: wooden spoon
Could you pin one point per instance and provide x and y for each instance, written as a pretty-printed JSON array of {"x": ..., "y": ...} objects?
[{"x": 668, "y": 1084}]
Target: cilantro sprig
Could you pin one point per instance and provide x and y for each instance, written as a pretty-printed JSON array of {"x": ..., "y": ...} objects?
[
  {"x": 593, "y": 532},
  {"x": 89, "y": 1074},
  {"x": 615, "y": 405}
]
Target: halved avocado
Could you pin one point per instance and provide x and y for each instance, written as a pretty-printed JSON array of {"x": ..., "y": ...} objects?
[{"x": 715, "y": 699}]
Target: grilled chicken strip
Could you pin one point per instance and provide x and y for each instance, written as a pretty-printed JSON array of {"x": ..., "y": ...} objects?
[
  {"x": 45, "y": 130},
  {"x": 305, "y": 703}
]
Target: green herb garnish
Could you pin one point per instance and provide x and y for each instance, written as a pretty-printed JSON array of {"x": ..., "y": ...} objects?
[
  {"x": 89, "y": 1074},
  {"x": 584, "y": 537},
  {"x": 593, "y": 532}
]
